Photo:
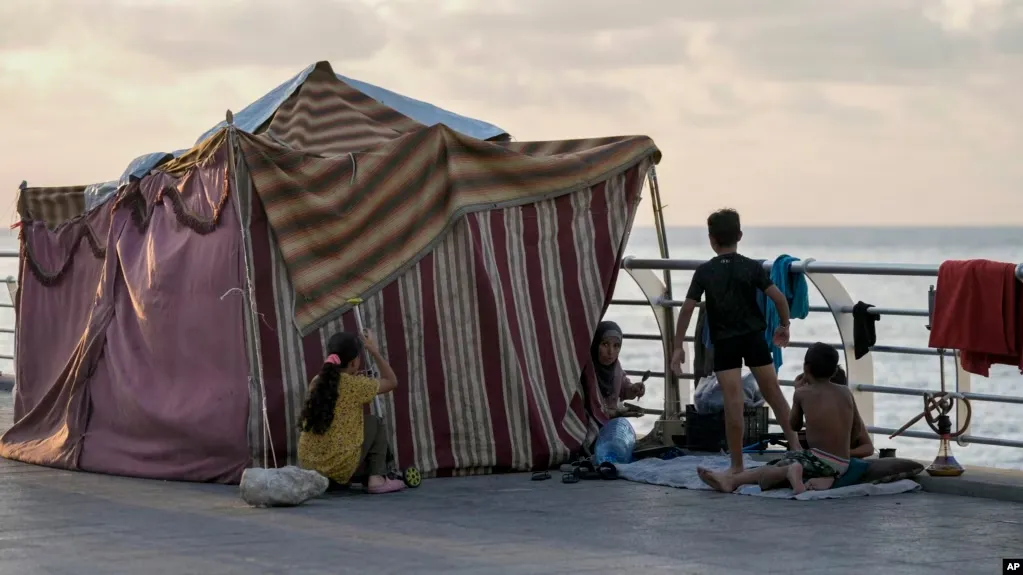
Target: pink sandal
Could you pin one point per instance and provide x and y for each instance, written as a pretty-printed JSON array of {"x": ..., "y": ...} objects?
[{"x": 389, "y": 486}]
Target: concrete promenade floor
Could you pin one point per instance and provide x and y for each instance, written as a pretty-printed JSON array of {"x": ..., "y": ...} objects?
[{"x": 56, "y": 522}]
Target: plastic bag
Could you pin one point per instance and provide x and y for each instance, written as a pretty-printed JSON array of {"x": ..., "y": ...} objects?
[
  {"x": 708, "y": 398},
  {"x": 281, "y": 487}
]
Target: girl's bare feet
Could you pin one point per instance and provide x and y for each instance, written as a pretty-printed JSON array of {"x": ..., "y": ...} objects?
[
  {"x": 795, "y": 476},
  {"x": 722, "y": 482},
  {"x": 379, "y": 484}
]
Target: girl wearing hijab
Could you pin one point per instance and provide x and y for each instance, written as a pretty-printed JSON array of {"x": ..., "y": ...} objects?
[{"x": 613, "y": 384}]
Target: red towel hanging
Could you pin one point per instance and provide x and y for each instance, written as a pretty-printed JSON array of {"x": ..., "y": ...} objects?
[{"x": 978, "y": 309}]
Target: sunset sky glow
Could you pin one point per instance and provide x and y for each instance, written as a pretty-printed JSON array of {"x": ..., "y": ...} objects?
[{"x": 796, "y": 112}]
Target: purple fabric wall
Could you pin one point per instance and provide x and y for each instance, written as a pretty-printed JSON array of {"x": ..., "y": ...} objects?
[
  {"x": 158, "y": 383},
  {"x": 170, "y": 395},
  {"x": 60, "y": 271}
]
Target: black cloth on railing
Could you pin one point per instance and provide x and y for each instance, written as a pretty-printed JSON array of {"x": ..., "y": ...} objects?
[
  {"x": 864, "y": 335},
  {"x": 703, "y": 357}
]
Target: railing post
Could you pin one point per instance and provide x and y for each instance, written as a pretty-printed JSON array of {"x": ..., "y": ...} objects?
[
  {"x": 13, "y": 294},
  {"x": 963, "y": 385},
  {"x": 676, "y": 392},
  {"x": 858, "y": 370}
]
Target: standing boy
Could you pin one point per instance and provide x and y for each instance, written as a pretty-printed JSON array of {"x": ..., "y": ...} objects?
[{"x": 731, "y": 282}]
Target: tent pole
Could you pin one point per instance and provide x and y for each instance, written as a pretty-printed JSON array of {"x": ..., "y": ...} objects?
[
  {"x": 249, "y": 294},
  {"x": 367, "y": 359},
  {"x": 672, "y": 409},
  {"x": 20, "y": 203}
]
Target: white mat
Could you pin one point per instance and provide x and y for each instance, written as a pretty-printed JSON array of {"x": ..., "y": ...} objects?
[{"x": 681, "y": 472}]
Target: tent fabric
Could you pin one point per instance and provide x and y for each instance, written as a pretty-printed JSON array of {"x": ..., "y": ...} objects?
[
  {"x": 50, "y": 325},
  {"x": 145, "y": 373},
  {"x": 98, "y": 194},
  {"x": 251, "y": 118},
  {"x": 142, "y": 165},
  {"x": 169, "y": 397},
  {"x": 51, "y": 206},
  {"x": 90, "y": 232},
  {"x": 487, "y": 333},
  {"x": 316, "y": 205},
  {"x": 314, "y": 202},
  {"x": 331, "y": 155},
  {"x": 330, "y": 118},
  {"x": 426, "y": 113},
  {"x": 508, "y": 257}
]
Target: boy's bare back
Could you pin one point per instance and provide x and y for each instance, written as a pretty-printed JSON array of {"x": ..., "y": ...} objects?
[{"x": 831, "y": 416}]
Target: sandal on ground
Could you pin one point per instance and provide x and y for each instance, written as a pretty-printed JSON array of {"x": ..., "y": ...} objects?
[
  {"x": 585, "y": 470},
  {"x": 607, "y": 470}
]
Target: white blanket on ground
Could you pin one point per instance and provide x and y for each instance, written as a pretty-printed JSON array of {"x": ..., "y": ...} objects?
[{"x": 681, "y": 472}]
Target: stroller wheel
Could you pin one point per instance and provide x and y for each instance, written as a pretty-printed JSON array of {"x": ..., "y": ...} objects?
[{"x": 412, "y": 477}]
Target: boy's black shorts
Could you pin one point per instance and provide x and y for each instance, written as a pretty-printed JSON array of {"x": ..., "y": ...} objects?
[{"x": 732, "y": 352}]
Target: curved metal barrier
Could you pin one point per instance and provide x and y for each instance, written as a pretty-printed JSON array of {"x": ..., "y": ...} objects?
[{"x": 839, "y": 304}]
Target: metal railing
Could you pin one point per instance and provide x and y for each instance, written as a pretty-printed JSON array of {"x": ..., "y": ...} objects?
[
  {"x": 7, "y": 253},
  {"x": 838, "y": 303}
]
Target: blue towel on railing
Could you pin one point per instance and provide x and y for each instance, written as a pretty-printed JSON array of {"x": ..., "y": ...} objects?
[{"x": 793, "y": 286}]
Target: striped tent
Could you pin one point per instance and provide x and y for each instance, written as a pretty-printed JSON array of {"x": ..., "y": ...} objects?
[{"x": 482, "y": 266}]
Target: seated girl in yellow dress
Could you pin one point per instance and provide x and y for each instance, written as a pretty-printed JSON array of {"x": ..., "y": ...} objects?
[{"x": 338, "y": 440}]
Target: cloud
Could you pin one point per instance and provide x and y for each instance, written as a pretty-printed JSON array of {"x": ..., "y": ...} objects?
[
  {"x": 1009, "y": 37},
  {"x": 478, "y": 42},
  {"x": 196, "y": 35},
  {"x": 817, "y": 102},
  {"x": 867, "y": 40},
  {"x": 898, "y": 101},
  {"x": 872, "y": 41},
  {"x": 885, "y": 46}
]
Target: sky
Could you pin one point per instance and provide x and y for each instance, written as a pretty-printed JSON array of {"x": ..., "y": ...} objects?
[{"x": 795, "y": 112}]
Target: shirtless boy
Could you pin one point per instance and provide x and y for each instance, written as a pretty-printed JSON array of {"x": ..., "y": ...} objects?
[
  {"x": 861, "y": 445},
  {"x": 833, "y": 424},
  {"x": 731, "y": 282}
]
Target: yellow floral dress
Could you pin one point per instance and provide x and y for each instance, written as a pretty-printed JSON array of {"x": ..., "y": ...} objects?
[{"x": 335, "y": 454}]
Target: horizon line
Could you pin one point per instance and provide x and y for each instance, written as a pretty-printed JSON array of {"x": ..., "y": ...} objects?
[{"x": 854, "y": 226}]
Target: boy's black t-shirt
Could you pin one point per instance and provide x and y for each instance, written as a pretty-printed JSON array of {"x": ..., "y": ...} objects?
[{"x": 731, "y": 282}]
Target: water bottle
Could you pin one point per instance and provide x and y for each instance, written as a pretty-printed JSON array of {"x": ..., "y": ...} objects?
[{"x": 615, "y": 442}]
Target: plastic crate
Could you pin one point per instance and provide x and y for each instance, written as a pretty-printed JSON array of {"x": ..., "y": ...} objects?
[{"x": 706, "y": 431}]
